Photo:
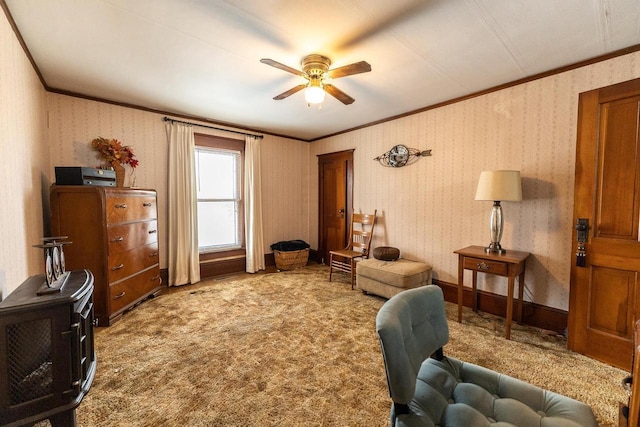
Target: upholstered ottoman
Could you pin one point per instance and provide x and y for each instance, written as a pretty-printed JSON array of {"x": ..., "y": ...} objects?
[{"x": 387, "y": 278}]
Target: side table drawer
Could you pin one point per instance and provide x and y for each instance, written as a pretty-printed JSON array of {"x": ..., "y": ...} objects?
[{"x": 485, "y": 266}]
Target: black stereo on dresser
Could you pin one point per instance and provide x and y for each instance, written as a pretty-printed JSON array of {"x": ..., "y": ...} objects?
[{"x": 47, "y": 355}]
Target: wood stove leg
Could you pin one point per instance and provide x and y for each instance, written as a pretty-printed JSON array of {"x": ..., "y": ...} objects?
[{"x": 64, "y": 419}]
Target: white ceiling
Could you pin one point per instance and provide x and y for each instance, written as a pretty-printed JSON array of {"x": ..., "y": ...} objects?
[{"x": 201, "y": 58}]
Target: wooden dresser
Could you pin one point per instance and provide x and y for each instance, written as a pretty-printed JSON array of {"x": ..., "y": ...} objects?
[{"x": 114, "y": 234}]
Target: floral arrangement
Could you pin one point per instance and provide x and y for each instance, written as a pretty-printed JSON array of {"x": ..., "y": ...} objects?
[{"x": 113, "y": 150}]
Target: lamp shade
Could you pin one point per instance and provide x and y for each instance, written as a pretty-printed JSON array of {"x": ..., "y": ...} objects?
[{"x": 500, "y": 186}]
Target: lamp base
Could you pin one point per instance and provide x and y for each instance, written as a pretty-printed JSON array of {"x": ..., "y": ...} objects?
[{"x": 494, "y": 248}]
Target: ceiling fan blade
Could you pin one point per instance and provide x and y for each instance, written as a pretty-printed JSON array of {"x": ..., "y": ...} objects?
[
  {"x": 347, "y": 70},
  {"x": 282, "y": 66},
  {"x": 338, "y": 94},
  {"x": 290, "y": 92}
]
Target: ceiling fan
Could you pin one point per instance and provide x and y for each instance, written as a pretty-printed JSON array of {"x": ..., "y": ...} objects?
[{"x": 315, "y": 68}]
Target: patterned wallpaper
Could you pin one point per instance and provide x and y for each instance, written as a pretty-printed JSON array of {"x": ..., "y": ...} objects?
[
  {"x": 74, "y": 122},
  {"x": 23, "y": 175},
  {"x": 428, "y": 210}
]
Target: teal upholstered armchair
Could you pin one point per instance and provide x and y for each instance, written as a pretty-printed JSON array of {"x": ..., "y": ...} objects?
[{"x": 430, "y": 389}]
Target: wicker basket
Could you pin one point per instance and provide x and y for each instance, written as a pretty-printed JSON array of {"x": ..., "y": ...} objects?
[{"x": 288, "y": 260}]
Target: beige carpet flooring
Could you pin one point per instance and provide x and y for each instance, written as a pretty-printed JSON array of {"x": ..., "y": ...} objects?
[{"x": 293, "y": 349}]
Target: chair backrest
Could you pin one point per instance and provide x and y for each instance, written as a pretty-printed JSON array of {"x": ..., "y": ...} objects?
[
  {"x": 411, "y": 326},
  {"x": 361, "y": 232}
]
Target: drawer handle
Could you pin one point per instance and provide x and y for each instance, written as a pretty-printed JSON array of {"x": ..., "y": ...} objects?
[
  {"x": 120, "y": 295},
  {"x": 153, "y": 231},
  {"x": 121, "y": 205},
  {"x": 117, "y": 267},
  {"x": 147, "y": 204},
  {"x": 483, "y": 266},
  {"x": 152, "y": 254},
  {"x": 156, "y": 277},
  {"x": 117, "y": 239}
]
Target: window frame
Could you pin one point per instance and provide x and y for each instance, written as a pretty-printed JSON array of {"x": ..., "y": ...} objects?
[{"x": 222, "y": 143}]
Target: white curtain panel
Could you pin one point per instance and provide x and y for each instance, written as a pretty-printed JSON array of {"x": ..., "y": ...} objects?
[
  {"x": 184, "y": 265},
  {"x": 253, "y": 205}
]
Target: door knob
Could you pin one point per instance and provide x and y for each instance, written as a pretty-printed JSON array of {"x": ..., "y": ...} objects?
[
  {"x": 341, "y": 212},
  {"x": 582, "y": 227}
]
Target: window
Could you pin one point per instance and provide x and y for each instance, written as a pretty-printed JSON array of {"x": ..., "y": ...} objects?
[{"x": 219, "y": 191}]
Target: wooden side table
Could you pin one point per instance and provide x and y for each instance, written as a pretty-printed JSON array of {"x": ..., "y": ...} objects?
[{"x": 509, "y": 264}]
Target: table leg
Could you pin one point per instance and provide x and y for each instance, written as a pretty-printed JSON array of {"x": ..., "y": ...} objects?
[
  {"x": 460, "y": 285},
  {"x": 512, "y": 280},
  {"x": 474, "y": 291},
  {"x": 520, "y": 295}
]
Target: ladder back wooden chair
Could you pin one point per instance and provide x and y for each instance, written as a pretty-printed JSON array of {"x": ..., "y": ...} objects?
[{"x": 360, "y": 236}]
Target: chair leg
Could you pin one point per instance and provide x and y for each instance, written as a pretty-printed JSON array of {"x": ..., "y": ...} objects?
[
  {"x": 330, "y": 266},
  {"x": 353, "y": 273}
]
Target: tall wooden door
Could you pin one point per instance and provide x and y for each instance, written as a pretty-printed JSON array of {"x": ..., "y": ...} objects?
[
  {"x": 335, "y": 199},
  {"x": 605, "y": 292}
]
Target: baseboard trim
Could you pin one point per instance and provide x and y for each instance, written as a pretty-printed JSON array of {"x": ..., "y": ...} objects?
[
  {"x": 224, "y": 266},
  {"x": 533, "y": 314},
  {"x": 164, "y": 275}
]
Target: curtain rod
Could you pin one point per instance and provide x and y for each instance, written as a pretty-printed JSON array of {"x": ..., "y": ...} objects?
[{"x": 168, "y": 119}]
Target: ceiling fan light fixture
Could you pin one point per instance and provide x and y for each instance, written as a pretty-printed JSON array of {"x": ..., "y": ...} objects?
[
  {"x": 315, "y": 68},
  {"x": 314, "y": 93}
]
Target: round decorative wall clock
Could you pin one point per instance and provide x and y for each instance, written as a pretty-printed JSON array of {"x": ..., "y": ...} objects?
[{"x": 399, "y": 155}]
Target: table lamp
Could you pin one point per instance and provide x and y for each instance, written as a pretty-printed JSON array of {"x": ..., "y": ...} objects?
[{"x": 497, "y": 186}]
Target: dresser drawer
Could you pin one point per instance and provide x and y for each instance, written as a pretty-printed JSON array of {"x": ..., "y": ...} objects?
[
  {"x": 123, "y": 264},
  {"x": 128, "y": 236},
  {"x": 483, "y": 265},
  {"x": 133, "y": 289},
  {"x": 122, "y": 208}
]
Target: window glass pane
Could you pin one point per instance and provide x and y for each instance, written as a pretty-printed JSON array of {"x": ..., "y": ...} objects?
[
  {"x": 217, "y": 224},
  {"x": 217, "y": 173},
  {"x": 219, "y": 192}
]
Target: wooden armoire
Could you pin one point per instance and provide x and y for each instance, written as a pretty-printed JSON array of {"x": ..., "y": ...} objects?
[{"x": 114, "y": 234}]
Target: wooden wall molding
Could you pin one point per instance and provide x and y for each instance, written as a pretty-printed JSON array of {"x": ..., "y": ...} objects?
[
  {"x": 533, "y": 314},
  {"x": 600, "y": 58},
  {"x": 221, "y": 266}
]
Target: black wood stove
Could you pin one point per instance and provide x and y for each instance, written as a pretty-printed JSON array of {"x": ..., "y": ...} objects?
[{"x": 47, "y": 356}]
